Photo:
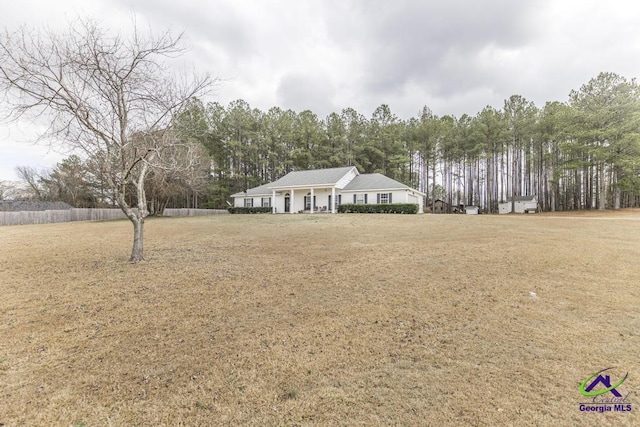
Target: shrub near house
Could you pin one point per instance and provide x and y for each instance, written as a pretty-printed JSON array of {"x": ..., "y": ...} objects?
[
  {"x": 395, "y": 208},
  {"x": 242, "y": 210}
]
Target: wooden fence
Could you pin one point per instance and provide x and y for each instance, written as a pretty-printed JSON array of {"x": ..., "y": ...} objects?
[{"x": 49, "y": 217}]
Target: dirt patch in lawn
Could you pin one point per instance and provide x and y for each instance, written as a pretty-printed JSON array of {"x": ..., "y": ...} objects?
[{"x": 318, "y": 320}]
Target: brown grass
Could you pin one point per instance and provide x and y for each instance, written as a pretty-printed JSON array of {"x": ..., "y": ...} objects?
[{"x": 318, "y": 320}]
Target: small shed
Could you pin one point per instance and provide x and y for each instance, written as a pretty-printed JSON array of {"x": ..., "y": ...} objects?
[
  {"x": 440, "y": 206},
  {"x": 521, "y": 204},
  {"x": 471, "y": 210}
]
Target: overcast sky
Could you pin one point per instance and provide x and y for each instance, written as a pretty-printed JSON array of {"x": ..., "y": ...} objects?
[{"x": 453, "y": 56}]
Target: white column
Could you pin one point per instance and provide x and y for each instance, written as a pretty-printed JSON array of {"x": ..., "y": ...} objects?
[
  {"x": 311, "y": 202},
  {"x": 333, "y": 200},
  {"x": 273, "y": 201},
  {"x": 291, "y": 201}
]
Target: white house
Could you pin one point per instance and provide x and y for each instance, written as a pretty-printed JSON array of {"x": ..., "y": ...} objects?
[
  {"x": 522, "y": 204},
  {"x": 325, "y": 190}
]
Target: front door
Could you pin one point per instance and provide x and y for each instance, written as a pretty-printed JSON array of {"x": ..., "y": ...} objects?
[{"x": 287, "y": 204}]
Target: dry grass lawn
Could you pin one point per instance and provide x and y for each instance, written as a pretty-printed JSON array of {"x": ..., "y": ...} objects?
[{"x": 273, "y": 320}]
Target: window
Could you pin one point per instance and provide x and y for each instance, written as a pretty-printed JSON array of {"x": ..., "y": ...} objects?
[
  {"x": 266, "y": 202},
  {"x": 360, "y": 199},
  {"x": 248, "y": 202},
  {"x": 307, "y": 202},
  {"x": 384, "y": 198}
]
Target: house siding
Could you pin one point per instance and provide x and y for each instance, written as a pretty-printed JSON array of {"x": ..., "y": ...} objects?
[
  {"x": 238, "y": 202},
  {"x": 322, "y": 198},
  {"x": 345, "y": 180}
]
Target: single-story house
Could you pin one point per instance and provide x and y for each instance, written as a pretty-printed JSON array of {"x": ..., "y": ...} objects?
[
  {"x": 521, "y": 204},
  {"x": 323, "y": 190}
]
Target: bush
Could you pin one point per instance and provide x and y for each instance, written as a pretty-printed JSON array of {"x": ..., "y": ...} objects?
[
  {"x": 397, "y": 208},
  {"x": 255, "y": 210}
]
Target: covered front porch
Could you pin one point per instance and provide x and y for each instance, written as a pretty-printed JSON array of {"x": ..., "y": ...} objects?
[{"x": 305, "y": 200}]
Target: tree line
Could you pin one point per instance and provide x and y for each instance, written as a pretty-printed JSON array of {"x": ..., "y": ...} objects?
[{"x": 582, "y": 154}]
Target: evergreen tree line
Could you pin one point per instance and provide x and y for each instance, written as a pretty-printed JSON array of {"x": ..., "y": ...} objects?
[{"x": 582, "y": 154}]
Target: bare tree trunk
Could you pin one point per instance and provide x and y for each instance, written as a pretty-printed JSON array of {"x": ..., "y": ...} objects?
[
  {"x": 433, "y": 193},
  {"x": 137, "y": 253},
  {"x": 425, "y": 179},
  {"x": 603, "y": 189},
  {"x": 616, "y": 191}
]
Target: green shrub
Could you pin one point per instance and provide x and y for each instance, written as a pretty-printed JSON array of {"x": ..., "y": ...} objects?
[
  {"x": 397, "y": 208},
  {"x": 255, "y": 210}
]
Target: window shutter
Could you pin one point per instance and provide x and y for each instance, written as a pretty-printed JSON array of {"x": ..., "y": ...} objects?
[
  {"x": 365, "y": 198},
  {"x": 390, "y": 198},
  {"x": 378, "y": 198},
  {"x": 354, "y": 199}
]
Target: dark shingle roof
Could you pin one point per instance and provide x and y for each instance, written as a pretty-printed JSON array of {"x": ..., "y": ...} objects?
[{"x": 32, "y": 205}]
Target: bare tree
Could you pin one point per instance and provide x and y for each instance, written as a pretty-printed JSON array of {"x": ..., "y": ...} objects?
[
  {"x": 31, "y": 177},
  {"x": 189, "y": 173},
  {"x": 107, "y": 96},
  {"x": 5, "y": 189}
]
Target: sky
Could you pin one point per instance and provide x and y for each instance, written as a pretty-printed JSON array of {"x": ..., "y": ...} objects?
[{"x": 454, "y": 56}]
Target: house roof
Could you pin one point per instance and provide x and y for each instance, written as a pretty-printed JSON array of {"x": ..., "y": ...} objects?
[
  {"x": 32, "y": 205},
  {"x": 522, "y": 198},
  {"x": 327, "y": 177},
  {"x": 375, "y": 181},
  {"x": 312, "y": 177},
  {"x": 262, "y": 190}
]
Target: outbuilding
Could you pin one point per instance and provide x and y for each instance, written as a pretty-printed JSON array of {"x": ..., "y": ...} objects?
[
  {"x": 520, "y": 204},
  {"x": 471, "y": 210},
  {"x": 440, "y": 206}
]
